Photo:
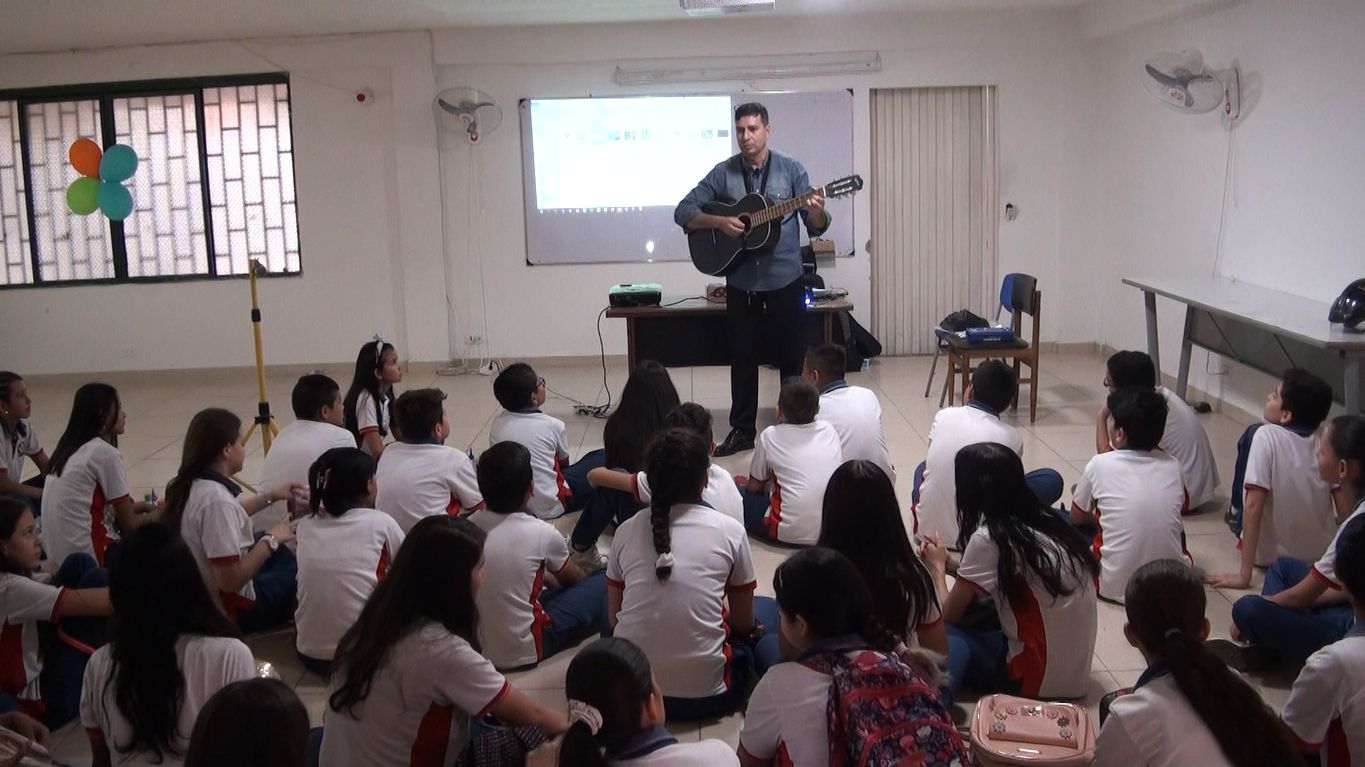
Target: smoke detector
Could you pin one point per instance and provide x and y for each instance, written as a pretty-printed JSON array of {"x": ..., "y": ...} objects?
[{"x": 716, "y": 7}]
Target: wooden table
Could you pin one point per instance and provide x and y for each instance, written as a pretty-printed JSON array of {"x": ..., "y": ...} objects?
[{"x": 688, "y": 332}]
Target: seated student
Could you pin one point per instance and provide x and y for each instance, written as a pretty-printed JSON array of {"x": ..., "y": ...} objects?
[
  {"x": 254, "y": 578},
  {"x": 1184, "y": 437},
  {"x": 1288, "y": 508},
  {"x": 87, "y": 498},
  {"x": 18, "y": 441},
  {"x": 1036, "y": 567},
  {"x": 170, "y": 649},
  {"x": 318, "y": 428},
  {"x": 616, "y": 715},
  {"x": 1326, "y": 708},
  {"x": 251, "y": 723},
  {"x": 1134, "y": 494},
  {"x": 521, "y": 625},
  {"x": 344, "y": 548},
  {"x": 992, "y": 389},
  {"x": 521, "y": 393},
  {"x": 792, "y": 462},
  {"x": 1187, "y": 708},
  {"x": 828, "y": 620},
  {"x": 670, "y": 576},
  {"x": 408, "y": 675},
  {"x": 45, "y": 682},
  {"x": 419, "y": 475},
  {"x": 853, "y": 411},
  {"x": 367, "y": 403}
]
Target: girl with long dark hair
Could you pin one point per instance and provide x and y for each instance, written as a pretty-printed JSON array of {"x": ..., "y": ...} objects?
[
  {"x": 19, "y": 442},
  {"x": 367, "y": 402}
]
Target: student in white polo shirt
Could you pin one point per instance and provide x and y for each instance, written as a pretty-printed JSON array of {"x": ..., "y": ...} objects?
[
  {"x": 19, "y": 441},
  {"x": 1037, "y": 568},
  {"x": 317, "y": 428},
  {"x": 421, "y": 476},
  {"x": 1184, "y": 437},
  {"x": 345, "y": 546},
  {"x": 853, "y": 411},
  {"x": 1187, "y": 708},
  {"x": 534, "y": 601},
  {"x": 1133, "y": 494},
  {"x": 367, "y": 403},
  {"x": 792, "y": 462},
  {"x": 521, "y": 393},
  {"x": 1287, "y": 508},
  {"x": 672, "y": 573},
  {"x": 408, "y": 676}
]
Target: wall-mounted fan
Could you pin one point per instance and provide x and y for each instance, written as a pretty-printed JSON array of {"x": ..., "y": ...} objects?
[
  {"x": 1181, "y": 82},
  {"x": 467, "y": 111}
]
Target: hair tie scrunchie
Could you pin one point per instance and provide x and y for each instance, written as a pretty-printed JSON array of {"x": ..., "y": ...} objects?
[
  {"x": 1173, "y": 632},
  {"x": 587, "y": 714},
  {"x": 665, "y": 560}
]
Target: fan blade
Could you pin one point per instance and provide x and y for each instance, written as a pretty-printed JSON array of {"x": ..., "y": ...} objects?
[{"x": 1165, "y": 79}]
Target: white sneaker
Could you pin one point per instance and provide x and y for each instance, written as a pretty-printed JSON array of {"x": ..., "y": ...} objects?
[{"x": 589, "y": 560}]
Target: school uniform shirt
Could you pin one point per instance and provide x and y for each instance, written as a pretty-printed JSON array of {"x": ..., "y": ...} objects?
[
  {"x": 670, "y": 753},
  {"x": 1325, "y": 569},
  {"x": 856, "y": 415},
  {"x": 1187, "y": 442},
  {"x": 544, "y": 436},
  {"x": 953, "y": 429},
  {"x": 1140, "y": 495},
  {"x": 420, "y": 480},
  {"x": 1326, "y": 707},
  {"x": 15, "y": 447},
  {"x": 1154, "y": 726},
  {"x": 1298, "y": 519},
  {"x": 721, "y": 492},
  {"x": 786, "y": 720},
  {"x": 208, "y": 664},
  {"x": 24, "y": 602},
  {"x": 519, "y": 550},
  {"x": 419, "y": 706},
  {"x": 218, "y": 532},
  {"x": 367, "y": 421},
  {"x": 76, "y": 513},
  {"x": 1050, "y": 639},
  {"x": 291, "y": 454},
  {"x": 797, "y": 459},
  {"x": 679, "y": 622},
  {"x": 341, "y": 560}
]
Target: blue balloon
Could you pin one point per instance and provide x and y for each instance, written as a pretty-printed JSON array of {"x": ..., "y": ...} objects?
[
  {"x": 118, "y": 164},
  {"x": 115, "y": 200}
]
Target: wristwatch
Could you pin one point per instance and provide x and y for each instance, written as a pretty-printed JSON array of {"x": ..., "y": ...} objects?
[{"x": 272, "y": 542}]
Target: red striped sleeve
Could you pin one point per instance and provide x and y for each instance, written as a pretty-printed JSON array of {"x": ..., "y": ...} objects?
[
  {"x": 224, "y": 561},
  {"x": 750, "y": 586},
  {"x": 57, "y": 605},
  {"x": 506, "y": 688},
  {"x": 1328, "y": 582},
  {"x": 615, "y": 584}
]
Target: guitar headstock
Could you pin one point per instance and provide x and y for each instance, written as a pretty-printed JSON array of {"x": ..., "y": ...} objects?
[{"x": 844, "y": 186}]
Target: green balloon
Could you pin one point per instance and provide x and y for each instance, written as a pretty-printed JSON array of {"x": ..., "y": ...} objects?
[{"x": 80, "y": 196}]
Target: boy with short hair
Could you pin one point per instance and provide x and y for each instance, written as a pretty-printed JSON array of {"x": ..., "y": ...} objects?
[
  {"x": 1134, "y": 494},
  {"x": 420, "y": 476},
  {"x": 521, "y": 393},
  {"x": 1184, "y": 437},
  {"x": 796, "y": 457},
  {"x": 317, "y": 428},
  {"x": 853, "y": 411},
  {"x": 1287, "y": 507},
  {"x": 522, "y": 621}
]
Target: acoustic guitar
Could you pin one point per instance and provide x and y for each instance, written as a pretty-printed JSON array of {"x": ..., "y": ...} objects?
[{"x": 717, "y": 254}]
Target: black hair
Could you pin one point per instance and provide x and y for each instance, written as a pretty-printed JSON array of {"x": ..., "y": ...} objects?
[
  {"x": 94, "y": 411},
  {"x": 1165, "y": 603},
  {"x": 515, "y": 385},
  {"x": 11, "y": 511},
  {"x": 1346, "y": 437},
  {"x": 798, "y": 400},
  {"x": 1307, "y": 398},
  {"x": 676, "y": 466},
  {"x": 825, "y": 587},
  {"x": 1131, "y": 369},
  {"x": 692, "y": 417},
  {"x": 7, "y": 381},
  {"x": 159, "y": 596},
  {"x": 613, "y": 676},
  {"x": 256, "y": 722},
  {"x": 994, "y": 385},
  {"x": 752, "y": 109},
  {"x": 862, "y": 520},
  {"x": 417, "y": 412},
  {"x": 504, "y": 472},
  {"x": 829, "y": 360},
  {"x": 439, "y": 550},
  {"x": 1350, "y": 563},
  {"x": 646, "y": 399},
  {"x": 339, "y": 480},
  {"x": 210, "y": 431},
  {"x": 311, "y": 394},
  {"x": 368, "y": 364},
  {"x": 991, "y": 491},
  {"x": 1141, "y": 413}
]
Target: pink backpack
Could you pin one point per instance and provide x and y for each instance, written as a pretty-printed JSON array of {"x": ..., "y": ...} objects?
[{"x": 1017, "y": 731}]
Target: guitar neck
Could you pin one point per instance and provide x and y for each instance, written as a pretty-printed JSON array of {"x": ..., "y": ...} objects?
[{"x": 781, "y": 210}]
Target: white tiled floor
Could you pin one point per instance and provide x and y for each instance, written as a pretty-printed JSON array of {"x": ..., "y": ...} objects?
[{"x": 160, "y": 405}]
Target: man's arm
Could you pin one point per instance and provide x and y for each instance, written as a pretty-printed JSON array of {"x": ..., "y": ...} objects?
[
  {"x": 814, "y": 214},
  {"x": 689, "y": 213}
]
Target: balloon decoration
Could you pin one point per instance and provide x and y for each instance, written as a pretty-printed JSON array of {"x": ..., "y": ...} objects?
[{"x": 100, "y": 186}]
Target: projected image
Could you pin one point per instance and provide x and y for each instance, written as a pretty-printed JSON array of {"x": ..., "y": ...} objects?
[{"x": 602, "y": 155}]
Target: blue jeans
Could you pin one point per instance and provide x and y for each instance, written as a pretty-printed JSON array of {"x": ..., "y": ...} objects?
[
  {"x": 747, "y": 665},
  {"x": 1047, "y": 484},
  {"x": 601, "y": 506},
  {"x": 322, "y": 668},
  {"x": 1293, "y": 634},
  {"x": 576, "y": 612},
  {"x": 977, "y": 659},
  {"x": 1239, "y": 474},
  {"x": 576, "y": 477},
  {"x": 64, "y": 665},
  {"x": 276, "y": 585},
  {"x": 755, "y": 509}
]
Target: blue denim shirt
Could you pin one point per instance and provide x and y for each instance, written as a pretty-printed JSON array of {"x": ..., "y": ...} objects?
[{"x": 786, "y": 179}]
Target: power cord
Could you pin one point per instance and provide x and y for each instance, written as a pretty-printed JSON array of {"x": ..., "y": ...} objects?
[{"x": 583, "y": 408}]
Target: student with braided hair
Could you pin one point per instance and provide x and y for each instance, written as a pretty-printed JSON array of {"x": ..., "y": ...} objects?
[{"x": 671, "y": 575}]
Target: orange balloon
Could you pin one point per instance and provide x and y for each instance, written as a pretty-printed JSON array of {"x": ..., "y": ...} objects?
[{"x": 85, "y": 157}]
